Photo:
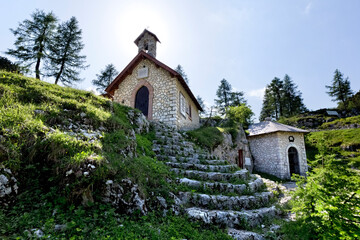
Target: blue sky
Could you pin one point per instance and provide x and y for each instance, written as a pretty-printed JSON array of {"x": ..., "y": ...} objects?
[{"x": 246, "y": 42}]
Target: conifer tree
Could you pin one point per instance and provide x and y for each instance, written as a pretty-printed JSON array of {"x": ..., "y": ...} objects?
[
  {"x": 202, "y": 105},
  {"x": 227, "y": 97},
  {"x": 105, "y": 77},
  {"x": 32, "y": 39},
  {"x": 340, "y": 88},
  {"x": 179, "y": 69},
  {"x": 281, "y": 99},
  {"x": 64, "y": 53}
]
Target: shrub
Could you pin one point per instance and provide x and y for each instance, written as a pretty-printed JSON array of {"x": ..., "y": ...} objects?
[{"x": 328, "y": 200}]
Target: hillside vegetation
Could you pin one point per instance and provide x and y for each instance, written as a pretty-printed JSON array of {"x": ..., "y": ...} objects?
[{"x": 62, "y": 145}]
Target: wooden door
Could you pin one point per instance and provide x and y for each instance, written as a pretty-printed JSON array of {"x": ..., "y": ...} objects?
[
  {"x": 142, "y": 100},
  {"x": 241, "y": 159},
  {"x": 293, "y": 161}
]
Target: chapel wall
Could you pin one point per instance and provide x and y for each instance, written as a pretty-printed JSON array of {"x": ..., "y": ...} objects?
[{"x": 164, "y": 96}]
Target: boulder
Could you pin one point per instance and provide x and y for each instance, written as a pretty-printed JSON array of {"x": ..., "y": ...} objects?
[
  {"x": 124, "y": 196},
  {"x": 8, "y": 186}
]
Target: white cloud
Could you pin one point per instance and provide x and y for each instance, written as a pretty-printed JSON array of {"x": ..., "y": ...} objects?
[
  {"x": 308, "y": 8},
  {"x": 259, "y": 93}
]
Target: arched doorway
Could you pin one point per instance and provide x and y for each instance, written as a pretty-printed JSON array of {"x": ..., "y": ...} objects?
[
  {"x": 293, "y": 161},
  {"x": 142, "y": 100}
]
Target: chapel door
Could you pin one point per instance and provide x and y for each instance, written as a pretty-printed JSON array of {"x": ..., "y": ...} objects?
[
  {"x": 142, "y": 100},
  {"x": 241, "y": 159},
  {"x": 293, "y": 161}
]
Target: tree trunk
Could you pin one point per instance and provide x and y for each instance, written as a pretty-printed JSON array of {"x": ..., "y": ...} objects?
[
  {"x": 60, "y": 72},
  {"x": 37, "y": 68}
]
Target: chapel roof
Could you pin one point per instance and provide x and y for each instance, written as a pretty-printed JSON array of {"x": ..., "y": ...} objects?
[
  {"x": 271, "y": 127},
  {"x": 130, "y": 67},
  {"x": 143, "y": 33}
]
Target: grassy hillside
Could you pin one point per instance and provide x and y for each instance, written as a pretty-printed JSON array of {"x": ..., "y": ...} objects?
[
  {"x": 345, "y": 143},
  {"x": 46, "y": 131}
]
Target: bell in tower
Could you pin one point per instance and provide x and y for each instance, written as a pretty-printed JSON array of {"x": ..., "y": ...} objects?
[{"x": 146, "y": 42}]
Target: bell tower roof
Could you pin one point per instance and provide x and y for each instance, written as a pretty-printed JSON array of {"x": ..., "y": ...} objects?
[
  {"x": 146, "y": 42},
  {"x": 142, "y": 35}
]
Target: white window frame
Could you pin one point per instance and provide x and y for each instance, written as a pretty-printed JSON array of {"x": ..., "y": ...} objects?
[{"x": 182, "y": 104}]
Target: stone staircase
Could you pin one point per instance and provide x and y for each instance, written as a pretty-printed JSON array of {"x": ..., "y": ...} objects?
[{"x": 212, "y": 190}]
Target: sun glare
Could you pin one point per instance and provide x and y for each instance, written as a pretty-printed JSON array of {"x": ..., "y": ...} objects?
[{"x": 133, "y": 20}]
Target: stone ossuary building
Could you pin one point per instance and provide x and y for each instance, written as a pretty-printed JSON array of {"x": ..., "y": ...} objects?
[
  {"x": 154, "y": 88},
  {"x": 278, "y": 149}
]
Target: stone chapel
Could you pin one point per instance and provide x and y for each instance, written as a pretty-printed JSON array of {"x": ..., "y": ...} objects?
[
  {"x": 278, "y": 149},
  {"x": 157, "y": 90}
]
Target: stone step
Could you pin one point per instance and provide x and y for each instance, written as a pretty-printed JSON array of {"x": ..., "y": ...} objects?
[
  {"x": 250, "y": 187},
  {"x": 234, "y": 219},
  {"x": 222, "y": 202},
  {"x": 213, "y": 176},
  {"x": 216, "y": 162},
  {"x": 203, "y": 167},
  {"x": 244, "y": 235}
]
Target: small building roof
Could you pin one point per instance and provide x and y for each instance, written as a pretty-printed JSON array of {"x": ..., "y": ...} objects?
[
  {"x": 271, "y": 127},
  {"x": 143, "y": 33},
  {"x": 130, "y": 67},
  {"x": 332, "y": 113}
]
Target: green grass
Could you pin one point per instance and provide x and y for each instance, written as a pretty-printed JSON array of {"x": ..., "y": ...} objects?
[
  {"x": 341, "y": 122},
  {"x": 35, "y": 210},
  {"x": 208, "y": 137},
  {"x": 39, "y": 147},
  {"x": 341, "y": 142}
]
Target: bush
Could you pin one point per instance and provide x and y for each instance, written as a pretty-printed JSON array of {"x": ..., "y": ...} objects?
[{"x": 327, "y": 201}]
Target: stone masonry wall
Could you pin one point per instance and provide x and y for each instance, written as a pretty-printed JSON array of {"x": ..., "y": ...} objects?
[
  {"x": 148, "y": 41},
  {"x": 164, "y": 102},
  {"x": 186, "y": 122},
  {"x": 299, "y": 144},
  {"x": 164, "y": 91},
  {"x": 264, "y": 149},
  {"x": 270, "y": 152}
]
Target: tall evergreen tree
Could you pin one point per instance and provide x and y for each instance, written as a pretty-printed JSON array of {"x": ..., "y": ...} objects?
[
  {"x": 7, "y": 65},
  {"x": 202, "y": 105},
  {"x": 64, "y": 53},
  {"x": 105, "y": 77},
  {"x": 340, "y": 88},
  {"x": 292, "y": 100},
  {"x": 226, "y": 97},
  {"x": 179, "y": 69},
  {"x": 268, "y": 108},
  {"x": 281, "y": 99},
  {"x": 32, "y": 39}
]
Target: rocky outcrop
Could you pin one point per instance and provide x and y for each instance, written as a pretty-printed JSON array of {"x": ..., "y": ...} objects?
[
  {"x": 229, "y": 149},
  {"x": 139, "y": 120},
  {"x": 8, "y": 186},
  {"x": 124, "y": 196}
]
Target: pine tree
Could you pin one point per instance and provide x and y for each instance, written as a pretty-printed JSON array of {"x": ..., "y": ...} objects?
[
  {"x": 7, "y": 65},
  {"x": 340, "y": 89},
  {"x": 105, "y": 77},
  {"x": 291, "y": 99},
  {"x": 226, "y": 97},
  {"x": 32, "y": 39},
  {"x": 179, "y": 69},
  {"x": 281, "y": 99},
  {"x": 268, "y": 108},
  {"x": 202, "y": 105},
  {"x": 64, "y": 58}
]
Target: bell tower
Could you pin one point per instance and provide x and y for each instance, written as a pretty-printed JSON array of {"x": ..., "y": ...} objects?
[{"x": 146, "y": 42}]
